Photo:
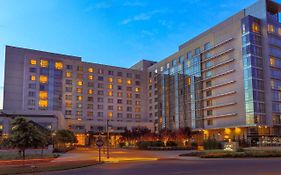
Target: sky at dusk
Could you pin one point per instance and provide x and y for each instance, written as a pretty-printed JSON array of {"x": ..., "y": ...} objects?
[{"x": 115, "y": 32}]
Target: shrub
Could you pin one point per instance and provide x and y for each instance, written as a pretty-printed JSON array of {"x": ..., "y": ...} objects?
[
  {"x": 171, "y": 144},
  {"x": 194, "y": 145},
  {"x": 157, "y": 144},
  {"x": 212, "y": 144},
  {"x": 143, "y": 144},
  {"x": 122, "y": 144}
]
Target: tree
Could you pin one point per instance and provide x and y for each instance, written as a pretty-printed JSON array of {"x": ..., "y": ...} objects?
[
  {"x": 65, "y": 136},
  {"x": 26, "y": 135},
  {"x": 183, "y": 134}
]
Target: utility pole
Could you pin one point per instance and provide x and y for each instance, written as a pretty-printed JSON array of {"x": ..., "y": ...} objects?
[{"x": 107, "y": 140}]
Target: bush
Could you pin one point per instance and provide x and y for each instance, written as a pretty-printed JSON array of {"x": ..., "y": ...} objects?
[
  {"x": 157, "y": 144},
  {"x": 122, "y": 144},
  {"x": 212, "y": 144},
  {"x": 171, "y": 144},
  {"x": 143, "y": 144},
  {"x": 194, "y": 145}
]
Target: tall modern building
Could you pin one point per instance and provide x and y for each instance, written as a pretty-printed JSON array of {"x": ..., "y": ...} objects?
[{"x": 225, "y": 83}]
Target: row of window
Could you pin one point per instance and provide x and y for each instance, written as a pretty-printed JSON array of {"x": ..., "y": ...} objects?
[{"x": 101, "y": 114}]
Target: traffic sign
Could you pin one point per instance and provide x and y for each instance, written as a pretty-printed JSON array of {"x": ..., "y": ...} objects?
[{"x": 99, "y": 143}]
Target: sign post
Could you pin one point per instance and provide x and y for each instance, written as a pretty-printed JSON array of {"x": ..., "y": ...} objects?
[{"x": 99, "y": 144}]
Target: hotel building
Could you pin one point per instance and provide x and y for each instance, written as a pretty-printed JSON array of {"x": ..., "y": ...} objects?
[{"x": 225, "y": 84}]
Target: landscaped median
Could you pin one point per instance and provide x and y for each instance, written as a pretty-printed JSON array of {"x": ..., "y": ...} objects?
[
  {"x": 32, "y": 166},
  {"x": 237, "y": 154}
]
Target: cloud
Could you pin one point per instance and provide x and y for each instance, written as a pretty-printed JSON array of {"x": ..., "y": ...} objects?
[
  {"x": 133, "y": 3},
  {"x": 140, "y": 17},
  {"x": 100, "y": 5}
]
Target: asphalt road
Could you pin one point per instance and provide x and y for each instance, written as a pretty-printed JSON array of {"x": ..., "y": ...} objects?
[{"x": 261, "y": 166}]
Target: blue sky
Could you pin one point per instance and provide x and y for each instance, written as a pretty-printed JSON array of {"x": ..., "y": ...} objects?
[{"x": 115, "y": 32}]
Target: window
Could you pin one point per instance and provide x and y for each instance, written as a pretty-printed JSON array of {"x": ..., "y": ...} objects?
[
  {"x": 209, "y": 112},
  {"x": 207, "y": 46},
  {"x": 120, "y": 74},
  {"x": 109, "y": 114},
  {"x": 90, "y": 99},
  {"x": 43, "y": 95},
  {"x": 68, "y": 74},
  {"x": 43, "y": 79},
  {"x": 119, "y": 94},
  {"x": 67, "y": 112},
  {"x": 100, "y": 78},
  {"x": 272, "y": 61},
  {"x": 90, "y": 77},
  {"x": 90, "y": 91},
  {"x": 188, "y": 81},
  {"x": 270, "y": 28},
  {"x": 58, "y": 65},
  {"x": 255, "y": 27},
  {"x": 68, "y": 82},
  {"x": 208, "y": 74},
  {"x": 79, "y": 83},
  {"x": 279, "y": 31},
  {"x": 109, "y": 100},
  {"x": 69, "y": 67},
  {"x": 197, "y": 51},
  {"x": 110, "y": 79},
  {"x": 32, "y": 70},
  {"x": 129, "y": 82},
  {"x": 137, "y": 89},
  {"x": 90, "y": 106},
  {"x": 119, "y": 81},
  {"x": 209, "y": 93},
  {"x": 100, "y": 71},
  {"x": 44, "y": 63},
  {"x": 68, "y": 104},
  {"x": 79, "y": 68},
  {"x": 110, "y": 72},
  {"x": 43, "y": 103},
  {"x": 100, "y": 92},
  {"x": 79, "y": 90},
  {"x": 208, "y": 83},
  {"x": 208, "y": 64},
  {"x": 110, "y": 93},
  {"x": 100, "y": 100},
  {"x": 209, "y": 103},
  {"x": 90, "y": 84},
  {"x": 32, "y": 77},
  {"x": 210, "y": 122},
  {"x": 129, "y": 75},
  {"x": 90, "y": 69},
  {"x": 31, "y": 94},
  {"x": 68, "y": 97},
  {"x": 32, "y": 62},
  {"x": 79, "y": 98}
]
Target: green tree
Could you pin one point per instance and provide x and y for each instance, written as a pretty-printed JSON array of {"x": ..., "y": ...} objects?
[
  {"x": 25, "y": 135},
  {"x": 65, "y": 136}
]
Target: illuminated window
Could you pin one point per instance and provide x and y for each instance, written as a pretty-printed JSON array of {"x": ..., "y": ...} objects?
[
  {"x": 32, "y": 62},
  {"x": 129, "y": 82},
  {"x": 279, "y": 31},
  {"x": 32, "y": 77},
  {"x": 150, "y": 81},
  {"x": 68, "y": 74},
  {"x": 79, "y": 98},
  {"x": 90, "y": 69},
  {"x": 272, "y": 61},
  {"x": 188, "y": 80},
  {"x": 79, "y": 90},
  {"x": 188, "y": 63},
  {"x": 255, "y": 27},
  {"x": 44, "y": 63},
  {"x": 68, "y": 104},
  {"x": 110, "y": 93},
  {"x": 79, "y": 83},
  {"x": 110, "y": 79},
  {"x": 119, "y": 94},
  {"x": 43, "y": 79},
  {"x": 137, "y": 89},
  {"x": 90, "y": 77},
  {"x": 119, "y": 81},
  {"x": 270, "y": 28},
  {"x": 129, "y": 95},
  {"x": 119, "y": 108},
  {"x": 110, "y": 86},
  {"x": 43, "y": 103},
  {"x": 137, "y": 109},
  {"x": 43, "y": 95},
  {"x": 1, "y": 127},
  {"x": 90, "y": 91},
  {"x": 58, "y": 65},
  {"x": 109, "y": 114}
]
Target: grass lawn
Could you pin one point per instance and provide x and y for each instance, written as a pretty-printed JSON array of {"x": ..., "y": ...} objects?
[
  {"x": 43, "y": 167},
  {"x": 34, "y": 156}
]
